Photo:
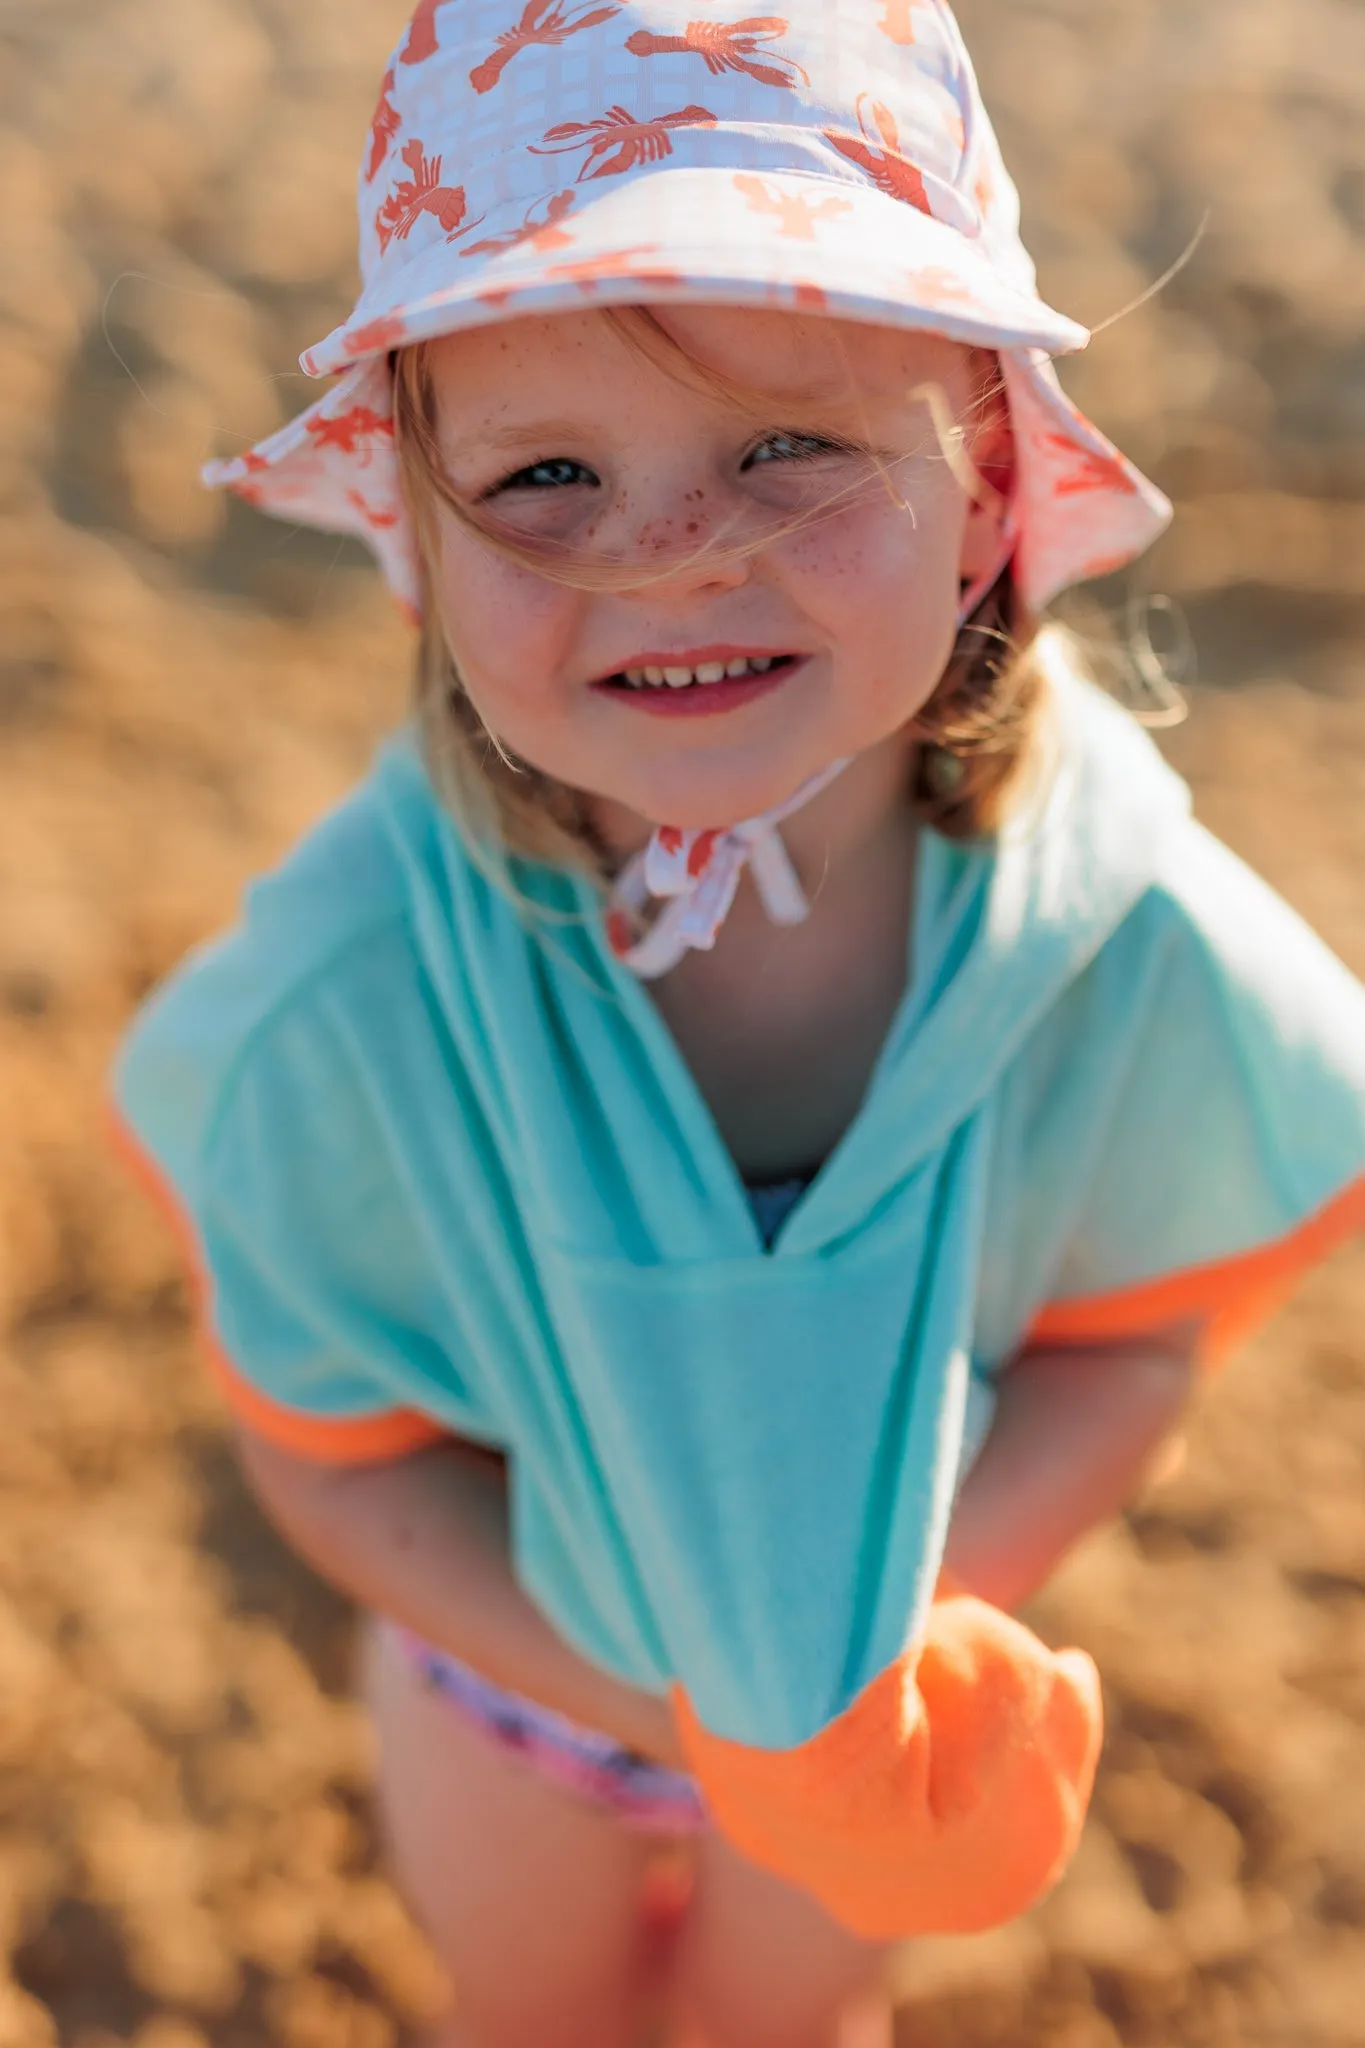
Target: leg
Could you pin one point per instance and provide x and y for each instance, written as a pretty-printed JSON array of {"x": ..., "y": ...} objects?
[
  {"x": 761, "y": 1965},
  {"x": 531, "y": 1897}
]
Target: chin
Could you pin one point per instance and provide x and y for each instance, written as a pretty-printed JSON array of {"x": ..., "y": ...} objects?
[
  {"x": 703, "y": 803},
  {"x": 703, "y": 795}
]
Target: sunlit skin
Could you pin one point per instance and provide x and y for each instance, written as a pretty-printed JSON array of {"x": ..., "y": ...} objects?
[{"x": 555, "y": 429}]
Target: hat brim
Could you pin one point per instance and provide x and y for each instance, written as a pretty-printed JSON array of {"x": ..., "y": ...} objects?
[
  {"x": 719, "y": 237},
  {"x": 1082, "y": 509},
  {"x": 702, "y": 235},
  {"x": 334, "y": 466}
]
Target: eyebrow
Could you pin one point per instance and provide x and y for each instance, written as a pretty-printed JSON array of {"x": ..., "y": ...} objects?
[
  {"x": 533, "y": 432},
  {"x": 820, "y": 391}
]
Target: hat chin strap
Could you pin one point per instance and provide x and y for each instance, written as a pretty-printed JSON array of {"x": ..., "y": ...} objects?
[{"x": 695, "y": 873}]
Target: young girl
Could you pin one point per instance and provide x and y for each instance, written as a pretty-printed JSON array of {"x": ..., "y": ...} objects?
[{"x": 715, "y": 1166}]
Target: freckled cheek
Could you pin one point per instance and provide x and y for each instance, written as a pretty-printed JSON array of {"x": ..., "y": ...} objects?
[
  {"x": 511, "y": 632},
  {"x": 882, "y": 594},
  {"x": 871, "y": 574}
]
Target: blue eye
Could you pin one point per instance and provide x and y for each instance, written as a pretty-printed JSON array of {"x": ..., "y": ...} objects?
[
  {"x": 786, "y": 447},
  {"x": 554, "y": 474}
]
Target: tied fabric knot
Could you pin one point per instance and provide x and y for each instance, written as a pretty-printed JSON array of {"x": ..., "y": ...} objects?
[{"x": 695, "y": 873}]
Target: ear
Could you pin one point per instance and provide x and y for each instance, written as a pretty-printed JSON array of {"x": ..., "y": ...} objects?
[
  {"x": 982, "y": 539},
  {"x": 990, "y": 448}
]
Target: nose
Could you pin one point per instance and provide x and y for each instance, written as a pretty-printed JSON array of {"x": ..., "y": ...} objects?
[
  {"x": 691, "y": 545},
  {"x": 683, "y": 581}
]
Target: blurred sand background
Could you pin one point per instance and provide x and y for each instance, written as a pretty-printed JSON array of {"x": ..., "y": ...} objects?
[{"x": 185, "y": 1852}]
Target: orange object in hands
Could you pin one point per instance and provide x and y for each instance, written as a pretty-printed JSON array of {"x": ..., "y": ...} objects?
[{"x": 948, "y": 1798}]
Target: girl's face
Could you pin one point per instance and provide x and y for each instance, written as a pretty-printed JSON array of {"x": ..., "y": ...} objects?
[{"x": 832, "y": 633}]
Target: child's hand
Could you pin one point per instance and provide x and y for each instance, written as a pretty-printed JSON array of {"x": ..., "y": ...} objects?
[{"x": 946, "y": 1799}]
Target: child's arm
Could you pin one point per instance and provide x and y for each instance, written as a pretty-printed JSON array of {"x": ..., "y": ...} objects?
[
  {"x": 424, "y": 1539},
  {"x": 1075, "y": 1435}
]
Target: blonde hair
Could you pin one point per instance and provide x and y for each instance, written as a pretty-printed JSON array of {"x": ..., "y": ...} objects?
[{"x": 979, "y": 733}]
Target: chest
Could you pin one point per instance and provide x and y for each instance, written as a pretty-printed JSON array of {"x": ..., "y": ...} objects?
[{"x": 781, "y": 1028}]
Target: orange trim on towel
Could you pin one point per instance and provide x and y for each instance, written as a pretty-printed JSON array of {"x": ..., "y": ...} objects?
[
  {"x": 358, "y": 1440},
  {"x": 947, "y": 1799},
  {"x": 327, "y": 1440},
  {"x": 1235, "y": 1295}
]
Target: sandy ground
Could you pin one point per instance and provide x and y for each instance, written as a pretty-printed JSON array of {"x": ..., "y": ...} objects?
[{"x": 185, "y": 1850}]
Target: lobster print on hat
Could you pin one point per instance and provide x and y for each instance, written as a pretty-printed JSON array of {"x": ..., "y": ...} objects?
[
  {"x": 937, "y": 286},
  {"x": 353, "y": 432},
  {"x": 728, "y": 46},
  {"x": 420, "y": 193},
  {"x": 383, "y": 128},
  {"x": 896, "y": 21},
  {"x": 375, "y": 338},
  {"x": 542, "y": 21},
  {"x": 589, "y": 271},
  {"x": 421, "y": 44},
  {"x": 377, "y": 517},
  {"x": 889, "y": 170},
  {"x": 540, "y": 234},
  {"x": 619, "y": 141},
  {"x": 1103, "y": 469},
  {"x": 795, "y": 214}
]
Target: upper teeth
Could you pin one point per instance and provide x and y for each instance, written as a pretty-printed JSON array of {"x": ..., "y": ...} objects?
[{"x": 705, "y": 672}]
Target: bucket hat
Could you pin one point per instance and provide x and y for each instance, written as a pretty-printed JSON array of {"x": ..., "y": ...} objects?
[{"x": 836, "y": 158}]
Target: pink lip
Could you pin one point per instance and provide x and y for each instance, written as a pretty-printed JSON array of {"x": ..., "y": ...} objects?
[{"x": 702, "y": 700}]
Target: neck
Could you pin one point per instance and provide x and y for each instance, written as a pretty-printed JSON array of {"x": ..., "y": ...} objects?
[
  {"x": 828, "y": 835},
  {"x": 853, "y": 817}
]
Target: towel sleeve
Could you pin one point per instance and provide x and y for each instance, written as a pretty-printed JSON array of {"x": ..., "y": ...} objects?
[
  {"x": 1185, "y": 1136},
  {"x": 946, "y": 1799},
  {"x": 257, "y": 1135}
]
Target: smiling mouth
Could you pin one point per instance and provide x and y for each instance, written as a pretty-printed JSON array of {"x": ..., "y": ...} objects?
[{"x": 704, "y": 676}]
